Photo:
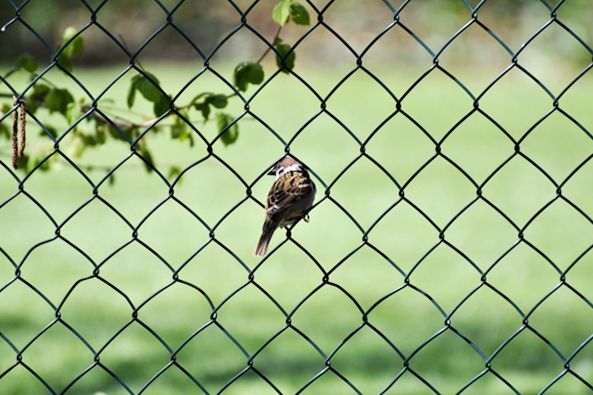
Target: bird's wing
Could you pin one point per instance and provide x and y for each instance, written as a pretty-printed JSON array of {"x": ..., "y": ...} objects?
[{"x": 287, "y": 190}]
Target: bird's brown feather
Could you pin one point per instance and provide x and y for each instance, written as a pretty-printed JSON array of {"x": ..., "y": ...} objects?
[
  {"x": 289, "y": 200},
  {"x": 286, "y": 190}
]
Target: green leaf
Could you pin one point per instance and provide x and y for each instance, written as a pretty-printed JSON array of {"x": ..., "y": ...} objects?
[
  {"x": 223, "y": 120},
  {"x": 162, "y": 106},
  {"x": 218, "y": 101},
  {"x": 285, "y": 62},
  {"x": 176, "y": 131},
  {"x": 185, "y": 136},
  {"x": 49, "y": 132},
  {"x": 4, "y": 132},
  {"x": 198, "y": 97},
  {"x": 148, "y": 157},
  {"x": 210, "y": 99},
  {"x": 108, "y": 129},
  {"x": 73, "y": 112},
  {"x": 32, "y": 106},
  {"x": 76, "y": 47},
  {"x": 204, "y": 108},
  {"x": 100, "y": 136},
  {"x": 58, "y": 100},
  {"x": 45, "y": 165},
  {"x": 248, "y": 72},
  {"x": 132, "y": 92},
  {"x": 69, "y": 32},
  {"x": 179, "y": 128},
  {"x": 148, "y": 89},
  {"x": 281, "y": 13},
  {"x": 299, "y": 14},
  {"x": 174, "y": 171},
  {"x": 130, "y": 133},
  {"x": 77, "y": 146},
  {"x": 39, "y": 92},
  {"x": 65, "y": 61},
  {"x": 22, "y": 162},
  {"x": 89, "y": 140},
  {"x": 26, "y": 62}
]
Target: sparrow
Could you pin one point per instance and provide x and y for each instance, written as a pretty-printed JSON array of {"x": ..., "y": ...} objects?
[{"x": 289, "y": 200}]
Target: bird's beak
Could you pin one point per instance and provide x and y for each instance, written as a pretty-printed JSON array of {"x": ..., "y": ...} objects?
[{"x": 272, "y": 172}]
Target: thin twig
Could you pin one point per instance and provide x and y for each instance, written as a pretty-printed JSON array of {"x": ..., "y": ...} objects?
[
  {"x": 9, "y": 73},
  {"x": 270, "y": 48},
  {"x": 123, "y": 42}
]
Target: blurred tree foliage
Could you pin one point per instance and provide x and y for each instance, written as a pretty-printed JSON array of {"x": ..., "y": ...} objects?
[
  {"x": 136, "y": 20},
  {"x": 206, "y": 22}
]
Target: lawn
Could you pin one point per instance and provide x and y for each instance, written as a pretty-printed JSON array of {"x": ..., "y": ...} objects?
[{"x": 465, "y": 257}]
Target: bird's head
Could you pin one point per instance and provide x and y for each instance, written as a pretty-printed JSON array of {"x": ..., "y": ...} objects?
[{"x": 286, "y": 165}]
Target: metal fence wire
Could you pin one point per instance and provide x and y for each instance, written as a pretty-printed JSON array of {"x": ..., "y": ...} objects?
[{"x": 409, "y": 337}]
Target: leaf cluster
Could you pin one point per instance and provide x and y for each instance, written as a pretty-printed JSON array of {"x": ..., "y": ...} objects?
[
  {"x": 90, "y": 129},
  {"x": 287, "y": 10},
  {"x": 148, "y": 86}
]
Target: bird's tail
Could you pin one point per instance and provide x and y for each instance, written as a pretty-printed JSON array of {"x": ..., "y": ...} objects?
[{"x": 262, "y": 246}]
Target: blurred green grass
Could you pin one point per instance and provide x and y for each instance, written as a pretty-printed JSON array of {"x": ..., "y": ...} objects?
[{"x": 407, "y": 318}]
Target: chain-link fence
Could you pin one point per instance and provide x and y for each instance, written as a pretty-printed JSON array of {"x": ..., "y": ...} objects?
[{"x": 448, "y": 245}]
